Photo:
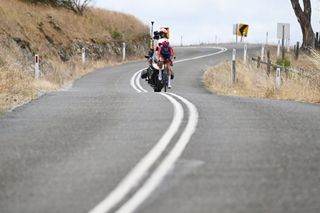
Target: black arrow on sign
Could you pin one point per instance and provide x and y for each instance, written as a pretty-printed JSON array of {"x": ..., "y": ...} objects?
[{"x": 242, "y": 29}]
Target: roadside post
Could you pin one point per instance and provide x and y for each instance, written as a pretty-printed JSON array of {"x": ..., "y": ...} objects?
[
  {"x": 269, "y": 63},
  {"x": 36, "y": 66},
  {"x": 123, "y": 51},
  {"x": 258, "y": 62},
  {"x": 233, "y": 69},
  {"x": 278, "y": 78},
  {"x": 267, "y": 38},
  {"x": 278, "y": 50},
  {"x": 83, "y": 51},
  {"x": 283, "y": 48},
  {"x": 235, "y": 31},
  {"x": 297, "y": 49},
  {"x": 262, "y": 52},
  {"x": 245, "y": 54}
]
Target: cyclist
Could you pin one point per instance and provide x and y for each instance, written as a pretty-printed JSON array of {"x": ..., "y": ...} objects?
[
  {"x": 163, "y": 36},
  {"x": 166, "y": 55},
  {"x": 156, "y": 38}
]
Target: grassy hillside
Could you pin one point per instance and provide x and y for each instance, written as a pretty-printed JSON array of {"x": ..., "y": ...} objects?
[
  {"x": 58, "y": 35},
  {"x": 302, "y": 85}
]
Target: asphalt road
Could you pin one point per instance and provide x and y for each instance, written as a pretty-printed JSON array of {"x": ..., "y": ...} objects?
[{"x": 86, "y": 149}]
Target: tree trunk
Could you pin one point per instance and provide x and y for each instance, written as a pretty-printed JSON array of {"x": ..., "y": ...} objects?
[{"x": 304, "y": 18}]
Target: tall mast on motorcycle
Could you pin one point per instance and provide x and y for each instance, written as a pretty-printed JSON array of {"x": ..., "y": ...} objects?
[{"x": 151, "y": 34}]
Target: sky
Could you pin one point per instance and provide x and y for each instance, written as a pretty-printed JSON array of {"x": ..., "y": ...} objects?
[{"x": 205, "y": 20}]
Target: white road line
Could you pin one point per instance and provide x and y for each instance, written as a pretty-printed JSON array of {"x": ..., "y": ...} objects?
[
  {"x": 222, "y": 50},
  {"x": 137, "y": 173},
  {"x": 138, "y": 82},
  {"x": 167, "y": 164},
  {"x": 140, "y": 170},
  {"x": 132, "y": 82}
]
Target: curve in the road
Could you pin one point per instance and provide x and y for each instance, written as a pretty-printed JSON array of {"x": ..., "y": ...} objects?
[
  {"x": 167, "y": 164},
  {"x": 137, "y": 174}
]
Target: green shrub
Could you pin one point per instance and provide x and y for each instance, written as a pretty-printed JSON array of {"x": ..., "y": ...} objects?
[
  {"x": 116, "y": 35},
  {"x": 284, "y": 63}
]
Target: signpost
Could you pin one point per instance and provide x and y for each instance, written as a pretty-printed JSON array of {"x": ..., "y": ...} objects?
[
  {"x": 241, "y": 30},
  {"x": 278, "y": 50},
  {"x": 267, "y": 38},
  {"x": 283, "y": 33},
  {"x": 235, "y": 31}
]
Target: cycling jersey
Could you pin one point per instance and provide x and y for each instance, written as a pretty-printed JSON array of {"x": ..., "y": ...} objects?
[
  {"x": 166, "y": 53},
  {"x": 161, "y": 40}
]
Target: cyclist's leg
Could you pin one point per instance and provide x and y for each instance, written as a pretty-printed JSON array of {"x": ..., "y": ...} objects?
[
  {"x": 168, "y": 71},
  {"x": 160, "y": 64}
]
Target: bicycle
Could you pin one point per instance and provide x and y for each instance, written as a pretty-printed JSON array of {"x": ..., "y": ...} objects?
[{"x": 164, "y": 79}]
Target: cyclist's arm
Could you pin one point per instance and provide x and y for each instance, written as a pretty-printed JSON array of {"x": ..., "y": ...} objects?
[
  {"x": 172, "y": 54},
  {"x": 159, "y": 52}
]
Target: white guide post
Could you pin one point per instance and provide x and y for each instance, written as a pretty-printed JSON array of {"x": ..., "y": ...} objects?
[
  {"x": 123, "y": 51},
  {"x": 262, "y": 52},
  {"x": 233, "y": 69},
  {"x": 278, "y": 78},
  {"x": 36, "y": 66},
  {"x": 83, "y": 51}
]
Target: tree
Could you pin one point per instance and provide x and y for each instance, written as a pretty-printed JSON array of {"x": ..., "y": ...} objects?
[
  {"x": 78, "y": 6},
  {"x": 304, "y": 19}
]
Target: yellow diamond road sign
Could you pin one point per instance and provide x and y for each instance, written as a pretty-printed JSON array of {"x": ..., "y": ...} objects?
[{"x": 243, "y": 30}]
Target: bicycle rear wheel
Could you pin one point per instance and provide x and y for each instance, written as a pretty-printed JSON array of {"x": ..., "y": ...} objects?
[{"x": 164, "y": 81}]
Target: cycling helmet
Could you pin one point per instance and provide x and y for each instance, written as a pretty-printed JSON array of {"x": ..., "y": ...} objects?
[
  {"x": 165, "y": 44},
  {"x": 156, "y": 35},
  {"x": 163, "y": 30}
]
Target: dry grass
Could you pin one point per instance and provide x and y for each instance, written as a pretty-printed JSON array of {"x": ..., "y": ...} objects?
[
  {"x": 253, "y": 82},
  {"x": 44, "y": 30},
  {"x": 23, "y": 20}
]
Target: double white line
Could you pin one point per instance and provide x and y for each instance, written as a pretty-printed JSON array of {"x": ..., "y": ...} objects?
[
  {"x": 137, "y": 176},
  {"x": 135, "y": 82}
]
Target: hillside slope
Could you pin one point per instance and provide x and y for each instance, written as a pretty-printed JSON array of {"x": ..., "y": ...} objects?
[{"x": 58, "y": 35}]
